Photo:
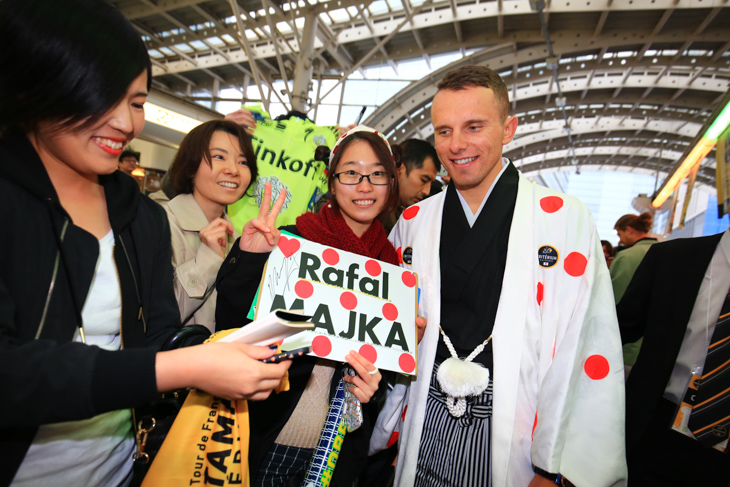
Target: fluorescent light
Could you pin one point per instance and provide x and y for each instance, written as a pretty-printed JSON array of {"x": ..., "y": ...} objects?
[
  {"x": 703, "y": 147},
  {"x": 168, "y": 118},
  {"x": 720, "y": 123}
]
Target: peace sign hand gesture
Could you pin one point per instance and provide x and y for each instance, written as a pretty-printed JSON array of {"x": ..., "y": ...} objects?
[{"x": 260, "y": 234}]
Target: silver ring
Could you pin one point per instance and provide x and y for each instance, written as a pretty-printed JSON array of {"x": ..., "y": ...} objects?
[{"x": 374, "y": 371}]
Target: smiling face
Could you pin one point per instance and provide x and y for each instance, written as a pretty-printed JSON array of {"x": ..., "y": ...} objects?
[
  {"x": 92, "y": 151},
  {"x": 360, "y": 203},
  {"x": 415, "y": 185},
  {"x": 469, "y": 135},
  {"x": 225, "y": 179}
]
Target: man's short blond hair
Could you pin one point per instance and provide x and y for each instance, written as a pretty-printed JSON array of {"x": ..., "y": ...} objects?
[{"x": 478, "y": 76}]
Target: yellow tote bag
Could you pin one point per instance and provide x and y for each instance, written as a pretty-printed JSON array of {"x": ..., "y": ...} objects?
[
  {"x": 207, "y": 445},
  {"x": 208, "y": 442}
]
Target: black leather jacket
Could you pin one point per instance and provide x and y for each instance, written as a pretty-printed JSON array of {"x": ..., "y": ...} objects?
[{"x": 46, "y": 268}]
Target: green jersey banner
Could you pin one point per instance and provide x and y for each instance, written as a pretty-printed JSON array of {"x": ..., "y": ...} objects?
[{"x": 285, "y": 157}]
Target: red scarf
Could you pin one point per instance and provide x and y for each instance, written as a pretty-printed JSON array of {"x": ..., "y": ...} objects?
[{"x": 328, "y": 227}]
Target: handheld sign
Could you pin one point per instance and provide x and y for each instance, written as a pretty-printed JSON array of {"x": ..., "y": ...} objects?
[{"x": 356, "y": 303}]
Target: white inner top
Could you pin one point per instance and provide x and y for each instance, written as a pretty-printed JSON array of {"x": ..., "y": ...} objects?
[
  {"x": 98, "y": 450},
  {"x": 471, "y": 217}
]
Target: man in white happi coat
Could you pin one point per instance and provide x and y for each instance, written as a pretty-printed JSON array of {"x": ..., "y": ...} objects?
[{"x": 511, "y": 277}]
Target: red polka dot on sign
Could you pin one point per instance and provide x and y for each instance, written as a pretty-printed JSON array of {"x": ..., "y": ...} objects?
[
  {"x": 369, "y": 353},
  {"x": 304, "y": 289},
  {"x": 372, "y": 267},
  {"x": 393, "y": 439},
  {"x": 330, "y": 256},
  {"x": 403, "y": 416},
  {"x": 575, "y": 264},
  {"x": 390, "y": 312},
  {"x": 540, "y": 292},
  {"x": 407, "y": 363},
  {"x": 348, "y": 300},
  {"x": 551, "y": 204},
  {"x": 409, "y": 279},
  {"x": 321, "y": 346},
  {"x": 596, "y": 367},
  {"x": 534, "y": 425},
  {"x": 411, "y": 212},
  {"x": 400, "y": 255}
]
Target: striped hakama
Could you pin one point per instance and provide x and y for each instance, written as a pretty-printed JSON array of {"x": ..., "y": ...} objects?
[{"x": 455, "y": 452}]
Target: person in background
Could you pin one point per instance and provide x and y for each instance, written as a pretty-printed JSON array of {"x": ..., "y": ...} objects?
[
  {"x": 285, "y": 429},
  {"x": 633, "y": 232},
  {"x": 415, "y": 175},
  {"x": 677, "y": 408},
  {"x": 212, "y": 169},
  {"x": 607, "y": 251},
  {"x": 86, "y": 295},
  {"x": 128, "y": 161}
]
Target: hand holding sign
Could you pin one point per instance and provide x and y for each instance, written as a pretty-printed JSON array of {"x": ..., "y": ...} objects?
[
  {"x": 420, "y": 328},
  {"x": 367, "y": 379},
  {"x": 260, "y": 234}
]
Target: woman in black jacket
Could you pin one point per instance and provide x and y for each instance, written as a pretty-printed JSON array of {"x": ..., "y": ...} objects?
[{"x": 86, "y": 296}]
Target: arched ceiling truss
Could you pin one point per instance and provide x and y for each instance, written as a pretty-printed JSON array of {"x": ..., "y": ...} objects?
[{"x": 638, "y": 78}]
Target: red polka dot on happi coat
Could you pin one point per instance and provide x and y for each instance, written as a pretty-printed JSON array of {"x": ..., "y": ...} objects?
[
  {"x": 540, "y": 292},
  {"x": 372, "y": 267},
  {"x": 403, "y": 416},
  {"x": 330, "y": 256},
  {"x": 596, "y": 367},
  {"x": 369, "y": 353},
  {"x": 390, "y": 312},
  {"x": 304, "y": 289},
  {"x": 348, "y": 300},
  {"x": 409, "y": 279},
  {"x": 400, "y": 255},
  {"x": 407, "y": 363},
  {"x": 321, "y": 346},
  {"x": 551, "y": 204},
  {"x": 534, "y": 425},
  {"x": 393, "y": 439},
  {"x": 575, "y": 264},
  {"x": 411, "y": 212}
]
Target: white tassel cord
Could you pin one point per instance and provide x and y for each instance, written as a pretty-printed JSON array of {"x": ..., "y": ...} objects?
[{"x": 461, "y": 378}]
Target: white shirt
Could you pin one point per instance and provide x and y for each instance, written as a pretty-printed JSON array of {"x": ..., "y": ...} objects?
[
  {"x": 702, "y": 321},
  {"x": 471, "y": 217},
  {"x": 98, "y": 450}
]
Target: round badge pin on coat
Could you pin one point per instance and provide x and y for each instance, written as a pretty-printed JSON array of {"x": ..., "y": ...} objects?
[{"x": 547, "y": 256}]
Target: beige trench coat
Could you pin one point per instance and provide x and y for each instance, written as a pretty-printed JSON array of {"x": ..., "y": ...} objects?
[{"x": 196, "y": 265}]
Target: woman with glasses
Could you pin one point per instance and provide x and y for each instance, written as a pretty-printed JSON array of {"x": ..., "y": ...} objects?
[{"x": 285, "y": 428}]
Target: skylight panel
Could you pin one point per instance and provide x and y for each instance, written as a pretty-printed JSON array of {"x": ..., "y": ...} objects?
[
  {"x": 379, "y": 7},
  {"x": 339, "y": 15}
]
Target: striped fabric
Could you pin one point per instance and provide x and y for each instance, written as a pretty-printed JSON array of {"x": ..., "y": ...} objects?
[
  {"x": 283, "y": 466},
  {"x": 710, "y": 417},
  {"x": 455, "y": 452}
]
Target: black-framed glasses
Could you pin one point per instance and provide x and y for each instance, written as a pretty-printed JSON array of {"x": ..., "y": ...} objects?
[{"x": 377, "y": 178}]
